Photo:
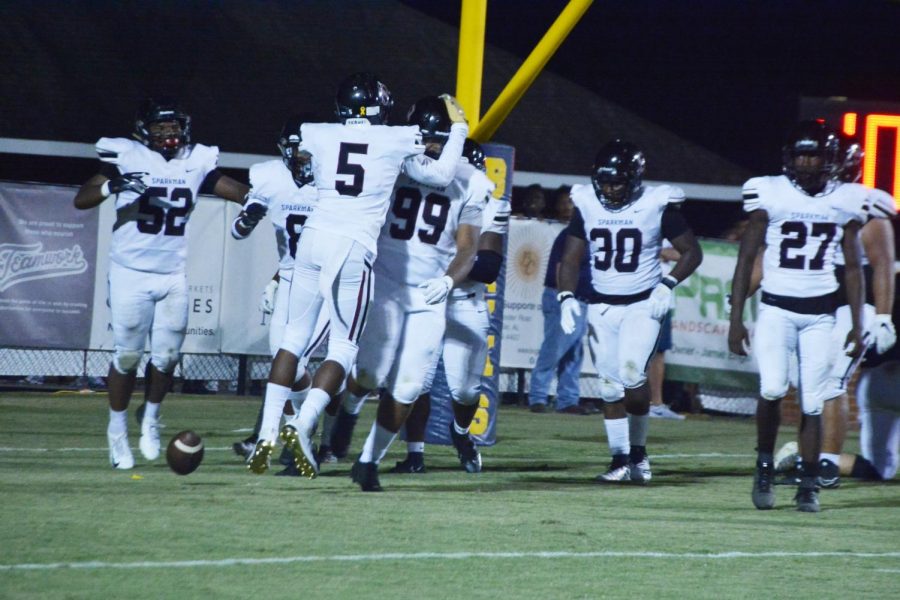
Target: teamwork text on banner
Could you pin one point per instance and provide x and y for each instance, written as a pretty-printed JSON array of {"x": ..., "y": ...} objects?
[
  {"x": 699, "y": 351},
  {"x": 499, "y": 162},
  {"x": 47, "y": 253}
]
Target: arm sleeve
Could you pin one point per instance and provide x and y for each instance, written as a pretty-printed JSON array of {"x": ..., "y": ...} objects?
[
  {"x": 209, "y": 183},
  {"x": 109, "y": 171},
  {"x": 496, "y": 216},
  {"x": 486, "y": 267},
  {"x": 881, "y": 205},
  {"x": 471, "y": 212},
  {"x": 576, "y": 226},
  {"x": 673, "y": 223},
  {"x": 751, "y": 195},
  {"x": 439, "y": 172}
]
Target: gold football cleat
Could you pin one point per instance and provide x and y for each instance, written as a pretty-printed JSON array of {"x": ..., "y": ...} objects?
[
  {"x": 258, "y": 461},
  {"x": 304, "y": 458}
]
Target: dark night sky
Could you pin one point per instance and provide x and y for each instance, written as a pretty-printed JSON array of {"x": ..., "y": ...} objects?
[{"x": 726, "y": 74}]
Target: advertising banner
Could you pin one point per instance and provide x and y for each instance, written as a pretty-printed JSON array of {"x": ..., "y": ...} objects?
[{"x": 47, "y": 267}]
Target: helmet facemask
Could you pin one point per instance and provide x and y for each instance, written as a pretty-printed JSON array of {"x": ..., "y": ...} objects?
[{"x": 810, "y": 157}]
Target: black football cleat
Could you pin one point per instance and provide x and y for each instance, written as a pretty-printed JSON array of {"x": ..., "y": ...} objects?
[
  {"x": 289, "y": 471},
  {"x": 342, "y": 433},
  {"x": 829, "y": 475},
  {"x": 466, "y": 450},
  {"x": 245, "y": 447},
  {"x": 366, "y": 475},
  {"x": 414, "y": 463},
  {"x": 763, "y": 489},
  {"x": 807, "y": 499}
]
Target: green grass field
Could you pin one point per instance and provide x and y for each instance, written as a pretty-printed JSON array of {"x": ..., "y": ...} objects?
[{"x": 532, "y": 525}]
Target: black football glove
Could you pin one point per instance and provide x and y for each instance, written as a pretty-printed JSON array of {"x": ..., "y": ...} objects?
[
  {"x": 127, "y": 182},
  {"x": 249, "y": 218}
]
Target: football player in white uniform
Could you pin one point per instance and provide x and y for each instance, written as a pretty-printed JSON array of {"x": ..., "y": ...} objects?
[
  {"x": 355, "y": 165},
  {"x": 465, "y": 340},
  {"x": 801, "y": 217},
  {"x": 284, "y": 190},
  {"x": 622, "y": 223},
  {"x": 426, "y": 249},
  {"x": 155, "y": 180}
]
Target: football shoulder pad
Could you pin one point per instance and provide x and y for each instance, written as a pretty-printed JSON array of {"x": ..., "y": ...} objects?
[{"x": 110, "y": 149}]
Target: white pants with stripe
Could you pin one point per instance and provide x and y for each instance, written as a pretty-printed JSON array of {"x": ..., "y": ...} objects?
[{"x": 278, "y": 322}]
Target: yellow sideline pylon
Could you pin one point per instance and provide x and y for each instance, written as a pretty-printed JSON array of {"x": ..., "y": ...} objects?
[{"x": 483, "y": 129}]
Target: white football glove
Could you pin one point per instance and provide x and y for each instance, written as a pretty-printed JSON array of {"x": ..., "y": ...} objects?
[
  {"x": 267, "y": 302},
  {"x": 436, "y": 290},
  {"x": 660, "y": 301},
  {"x": 456, "y": 112},
  {"x": 884, "y": 333},
  {"x": 569, "y": 311}
]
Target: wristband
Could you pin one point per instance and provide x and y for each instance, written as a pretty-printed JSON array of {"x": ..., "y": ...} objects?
[
  {"x": 104, "y": 189},
  {"x": 669, "y": 281},
  {"x": 563, "y": 296}
]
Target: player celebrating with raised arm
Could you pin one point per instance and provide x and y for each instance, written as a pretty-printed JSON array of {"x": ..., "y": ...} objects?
[
  {"x": 622, "y": 223},
  {"x": 801, "y": 217},
  {"x": 284, "y": 190},
  {"x": 355, "y": 164},
  {"x": 155, "y": 181}
]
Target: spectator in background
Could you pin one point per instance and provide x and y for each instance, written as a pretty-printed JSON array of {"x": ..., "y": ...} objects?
[
  {"x": 534, "y": 200},
  {"x": 562, "y": 204},
  {"x": 656, "y": 373},
  {"x": 560, "y": 353}
]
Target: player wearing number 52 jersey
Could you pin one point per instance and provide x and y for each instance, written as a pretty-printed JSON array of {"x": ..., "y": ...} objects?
[
  {"x": 801, "y": 217},
  {"x": 622, "y": 223},
  {"x": 155, "y": 181},
  {"x": 355, "y": 165}
]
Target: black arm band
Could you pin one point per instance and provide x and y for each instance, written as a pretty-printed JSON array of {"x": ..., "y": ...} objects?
[
  {"x": 209, "y": 183},
  {"x": 486, "y": 267}
]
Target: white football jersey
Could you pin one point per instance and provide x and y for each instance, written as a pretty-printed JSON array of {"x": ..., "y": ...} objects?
[
  {"x": 149, "y": 233},
  {"x": 803, "y": 233},
  {"x": 355, "y": 166},
  {"x": 625, "y": 244},
  {"x": 878, "y": 204},
  {"x": 418, "y": 240},
  {"x": 271, "y": 183}
]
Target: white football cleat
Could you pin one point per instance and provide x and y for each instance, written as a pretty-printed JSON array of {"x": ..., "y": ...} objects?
[
  {"x": 640, "y": 471},
  {"x": 120, "y": 456},
  {"x": 786, "y": 457},
  {"x": 300, "y": 446},
  {"x": 149, "y": 443},
  {"x": 615, "y": 474}
]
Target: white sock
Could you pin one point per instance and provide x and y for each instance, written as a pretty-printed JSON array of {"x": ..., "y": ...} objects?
[
  {"x": 458, "y": 429},
  {"x": 617, "y": 436},
  {"x": 276, "y": 395},
  {"x": 297, "y": 398},
  {"x": 316, "y": 401},
  {"x": 834, "y": 458},
  {"x": 637, "y": 429},
  {"x": 327, "y": 424},
  {"x": 151, "y": 410},
  {"x": 415, "y": 447},
  {"x": 377, "y": 444},
  {"x": 118, "y": 422},
  {"x": 353, "y": 403}
]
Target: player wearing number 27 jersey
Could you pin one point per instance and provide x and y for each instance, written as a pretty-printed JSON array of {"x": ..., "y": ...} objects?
[
  {"x": 622, "y": 223},
  {"x": 801, "y": 217},
  {"x": 355, "y": 165}
]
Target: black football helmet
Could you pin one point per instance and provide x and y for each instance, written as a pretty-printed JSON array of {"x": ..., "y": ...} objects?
[
  {"x": 289, "y": 146},
  {"x": 852, "y": 155},
  {"x": 620, "y": 167},
  {"x": 163, "y": 109},
  {"x": 363, "y": 96},
  {"x": 474, "y": 153},
  {"x": 430, "y": 114},
  {"x": 811, "y": 140}
]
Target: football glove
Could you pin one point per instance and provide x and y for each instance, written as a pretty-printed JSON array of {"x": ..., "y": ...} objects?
[
  {"x": 661, "y": 300},
  {"x": 267, "y": 302},
  {"x": 569, "y": 311},
  {"x": 436, "y": 290},
  {"x": 454, "y": 110},
  {"x": 127, "y": 182},
  {"x": 249, "y": 218},
  {"x": 884, "y": 333}
]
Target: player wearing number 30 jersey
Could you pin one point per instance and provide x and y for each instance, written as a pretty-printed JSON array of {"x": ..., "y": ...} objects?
[
  {"x": 622, "y": 223},
  {"x": 155, "y": 180},
  {"x": 801, "y": 217},
  {"x": 355, "y": 165}
]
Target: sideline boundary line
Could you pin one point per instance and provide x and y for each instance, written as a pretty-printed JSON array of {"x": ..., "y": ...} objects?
[{"x": 231, "y": 562}]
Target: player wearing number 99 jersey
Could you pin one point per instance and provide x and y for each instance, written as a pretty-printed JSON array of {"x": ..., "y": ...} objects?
[
  {"x": 622, "y": 223},
  {"x": 801, "y": 217},
  {"x": 355, "y": 165},
  {"x": 155, "y": 181}
]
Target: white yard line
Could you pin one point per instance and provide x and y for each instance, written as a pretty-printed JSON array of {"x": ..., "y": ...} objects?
[{"x": 392, "y": 556}]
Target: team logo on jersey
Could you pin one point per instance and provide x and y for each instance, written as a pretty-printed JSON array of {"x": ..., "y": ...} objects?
[{"x": 27, "y": 262}]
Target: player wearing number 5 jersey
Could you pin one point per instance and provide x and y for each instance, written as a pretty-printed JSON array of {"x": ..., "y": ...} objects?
[
  {"x": 622, "y": 224},
  {"x": 355, "y": 165},
  {"x": 801, "y": 217},
  {"x": 155, "y": 181}
]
